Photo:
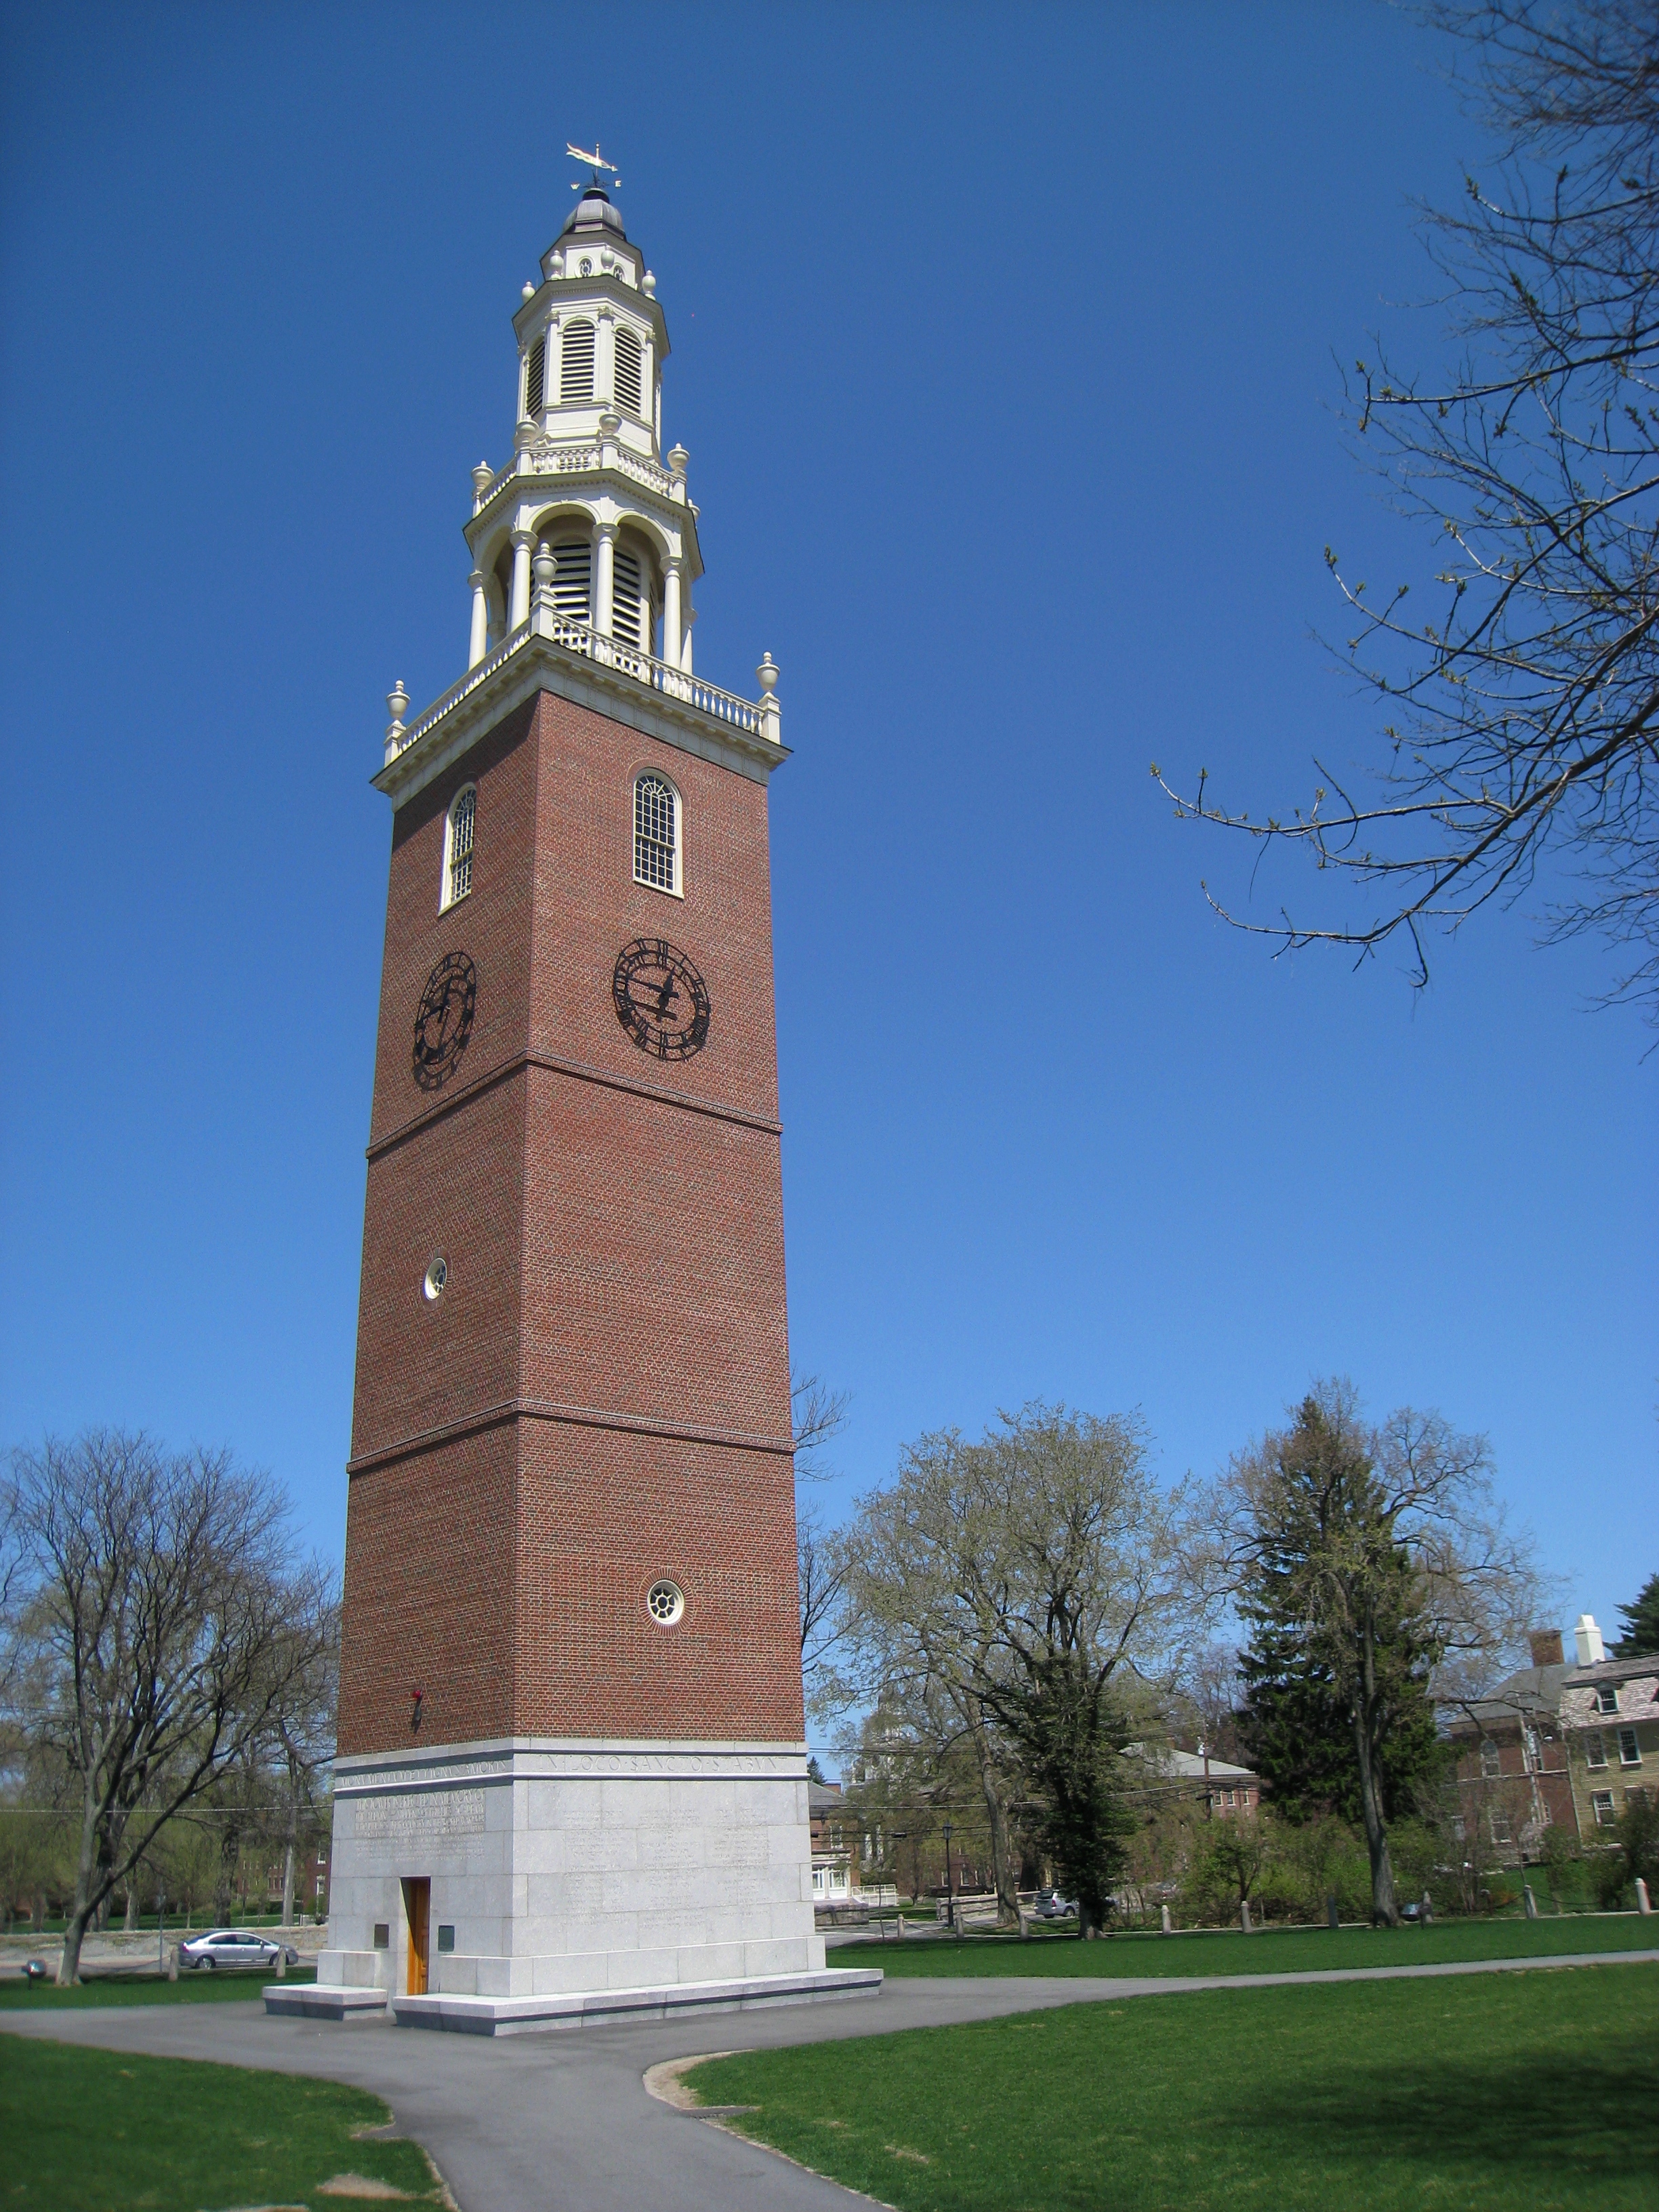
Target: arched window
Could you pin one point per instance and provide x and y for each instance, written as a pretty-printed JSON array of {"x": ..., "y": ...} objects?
[
  {"x": 628, "y": 603},
  {"x": 576, "y": 363},
  {"x": 573, "y": 578},
  {"x": 535, "y": 379},
  {"x": 629, "y": 365},
  {"x": 656, "y": 834},
  {"x": 458, "y": 845}
]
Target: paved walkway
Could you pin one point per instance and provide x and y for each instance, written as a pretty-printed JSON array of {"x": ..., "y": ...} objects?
[{"x": 562, "y": 2122}]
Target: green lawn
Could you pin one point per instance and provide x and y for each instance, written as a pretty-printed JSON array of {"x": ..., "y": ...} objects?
[
  {"x": 1485, "y": 2092},
  {"x": 199, "y": 1987},
  {"x": 98, "y": 2131},
  {"x": 1277, "y": 1951}
]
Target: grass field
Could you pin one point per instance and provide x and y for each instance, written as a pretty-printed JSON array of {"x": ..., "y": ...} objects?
[
  {"x": 1277, "y": 1951},
  {"x": 243, "y": 1983},
  {"x": 1483, "y": 2093},
  {"x": 99, "y": 2131}
]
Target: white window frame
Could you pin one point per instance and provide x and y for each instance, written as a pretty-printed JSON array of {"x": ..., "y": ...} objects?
[
  {"x": 1602, "y": 1808},
  {"x": 448, "y": 896},
  {"x": 677, "y": 889},
  {"x": 1606, "y": 1698},
  {"x": 1492, "y": 1759},
  {"x": 1596, "y": 1748},
  {"x": 1632, "y": 1757}
]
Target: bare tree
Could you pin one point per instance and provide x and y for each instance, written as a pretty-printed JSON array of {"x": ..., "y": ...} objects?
[
  {"x": 1022, "y": 1585},
  {"x": 163, "y": 1620},
  {"x": 1524, "y": 702},
  {"x": 1381, "y": 1553}
]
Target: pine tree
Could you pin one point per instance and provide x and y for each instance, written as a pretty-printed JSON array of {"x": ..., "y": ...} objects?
[{"x": 1641, "y": 1620}]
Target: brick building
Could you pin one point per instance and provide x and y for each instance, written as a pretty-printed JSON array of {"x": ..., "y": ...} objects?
[{"x": 571, "y": 1738}]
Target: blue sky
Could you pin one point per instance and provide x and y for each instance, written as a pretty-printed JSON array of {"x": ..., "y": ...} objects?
[{"x": 1005, "y": 348}]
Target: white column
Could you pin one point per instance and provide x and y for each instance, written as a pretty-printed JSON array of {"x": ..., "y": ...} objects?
[
  {"x": 691, "y": 623},
  {"x": 604, "y": 571},
  {"x": 519, "y": 611},
  {"x": 671, "y": 613},
  {"x": 479, "y": 643},
  {"x": 605, "y": 357}
]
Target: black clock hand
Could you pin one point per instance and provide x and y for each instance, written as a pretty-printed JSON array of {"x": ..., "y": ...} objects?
[{"x": 668, "y": 995}]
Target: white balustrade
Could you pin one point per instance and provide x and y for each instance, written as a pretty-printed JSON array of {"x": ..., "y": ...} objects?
[{"x": 755, "y": 719}]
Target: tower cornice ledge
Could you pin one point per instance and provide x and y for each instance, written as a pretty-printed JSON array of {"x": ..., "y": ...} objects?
[{"x": 576, "y": 663}]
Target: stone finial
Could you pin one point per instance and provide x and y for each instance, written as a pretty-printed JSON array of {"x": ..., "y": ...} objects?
[
  {"x": 609, "y": 422},
  {"x": 648, "y": 284},
  {"x": 525, "y": 435},
  {"x": 767, "y": 673},
  {"x": 678, "y": 459},
  {"x": 541, "y": 567},
  {"x": 528, "y": 293},
  {"x": 483, "y": 477},
  {"x": 396, "y": 700}
]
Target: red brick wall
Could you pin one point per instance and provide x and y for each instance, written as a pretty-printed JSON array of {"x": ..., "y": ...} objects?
[{"x": 609, "y": 1251}]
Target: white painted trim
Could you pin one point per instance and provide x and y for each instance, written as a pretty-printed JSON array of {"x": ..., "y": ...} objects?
[
  {"x": 445, "y": 901},
  {"x": 677, "y": 889},
  {"x": 526, "y": 663}
]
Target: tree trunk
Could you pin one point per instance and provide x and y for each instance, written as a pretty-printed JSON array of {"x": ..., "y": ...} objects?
[
  {"x": 287, "y": 1886},
  {"x": 81, "y": 1911},
  {"x": 131, "y": 1921},
  {"x": 230, "y": 1849},
  {"x": 1385, "y": 1912},
  {"x": 1001, "y": 1871}
]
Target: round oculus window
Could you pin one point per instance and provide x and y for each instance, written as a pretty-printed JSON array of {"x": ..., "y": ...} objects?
[
  {"x": 665, "y": 1603},
  {"x": 432, "y": 1283}
]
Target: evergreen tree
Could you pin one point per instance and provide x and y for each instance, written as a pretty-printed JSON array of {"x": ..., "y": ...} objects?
[
  {"x": 1297, "y": 1735},
  {"x": 1340, "y": 1606},
  {"x": 1641, "y": 1619}
]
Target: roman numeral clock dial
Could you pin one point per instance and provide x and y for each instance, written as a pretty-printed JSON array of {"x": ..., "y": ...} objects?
[{"x": 660, "y": 999}]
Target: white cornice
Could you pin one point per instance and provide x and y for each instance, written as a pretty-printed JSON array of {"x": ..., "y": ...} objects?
[{"x": 531, "y": 663}]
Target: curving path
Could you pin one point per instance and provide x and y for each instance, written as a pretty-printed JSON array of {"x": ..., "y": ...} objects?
[{"x": 563, "y": 2122}]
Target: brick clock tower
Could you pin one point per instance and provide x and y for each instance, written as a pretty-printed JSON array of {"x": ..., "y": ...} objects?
[{"x": 572, "y": 1772}]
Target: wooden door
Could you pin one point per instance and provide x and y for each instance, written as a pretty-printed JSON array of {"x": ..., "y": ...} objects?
[{"x": 417, "y": 1907}]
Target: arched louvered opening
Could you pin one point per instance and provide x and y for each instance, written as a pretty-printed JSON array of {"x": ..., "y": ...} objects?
[
  {"x": 458, "y": 845},
  {"x": 656, "y": 833},
  {"x": 535, "y": 379},
  {"x": 576, "y": 363},
  {"x": 572, "y": 579},
  {"x": 501, "y": 598},
  {"x": 630, "y": 368},
  {"x": 630, "y": 607}
]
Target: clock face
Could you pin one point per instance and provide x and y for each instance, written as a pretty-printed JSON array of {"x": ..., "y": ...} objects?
[
  {"x": 662, "y": 1000},
  {"x": 443, "y": 1022}
]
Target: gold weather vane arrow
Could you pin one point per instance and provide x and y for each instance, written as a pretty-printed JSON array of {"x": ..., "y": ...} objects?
[{"x": 593, "y": 162}]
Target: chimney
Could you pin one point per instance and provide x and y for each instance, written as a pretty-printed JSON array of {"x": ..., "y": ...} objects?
[
  {"x": 1588, "y": 1637},
  {"x": 1546, "y": 1647}
]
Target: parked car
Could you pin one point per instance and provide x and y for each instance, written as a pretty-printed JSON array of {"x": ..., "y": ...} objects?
[
  {"x": 1051, "y": 1905},
  {"x": 233, "y": 1947}
]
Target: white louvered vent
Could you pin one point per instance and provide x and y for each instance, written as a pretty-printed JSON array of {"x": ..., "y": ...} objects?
[
  {"x": 627, "y": 602},
  {"x": 628, "y": 365},
  {"x": 576, "y": 363},
  {"x": 573, "y": 573},
  {"x": 535, "y": 379}
]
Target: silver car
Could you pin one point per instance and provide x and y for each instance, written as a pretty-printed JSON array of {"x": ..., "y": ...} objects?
[{"x": 235, "y": 1947}]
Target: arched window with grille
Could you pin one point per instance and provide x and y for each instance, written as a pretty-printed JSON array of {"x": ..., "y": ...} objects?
[
  {"x": 630, "y": 368},
  {"x": 656, "y": 833},
  {"x": 572, "y": 579},
  {"x": 535, "y": 379},
  {"x": 576, "y": 363},
  {"x": 628, "y": 606},
  {"x": 458, "y": 845}
]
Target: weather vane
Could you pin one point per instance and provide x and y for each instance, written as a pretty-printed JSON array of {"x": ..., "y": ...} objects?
[{"x": 595, "y": 163}]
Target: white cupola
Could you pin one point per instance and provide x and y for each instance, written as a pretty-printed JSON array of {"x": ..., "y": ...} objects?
[{"x": 588, "y": 488}]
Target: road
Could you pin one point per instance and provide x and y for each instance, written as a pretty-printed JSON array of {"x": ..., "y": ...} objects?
[{"x": 562, "y": 2122}]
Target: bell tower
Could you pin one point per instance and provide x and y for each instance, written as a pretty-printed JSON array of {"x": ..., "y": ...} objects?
[{"x": 571, "y": 1773}]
